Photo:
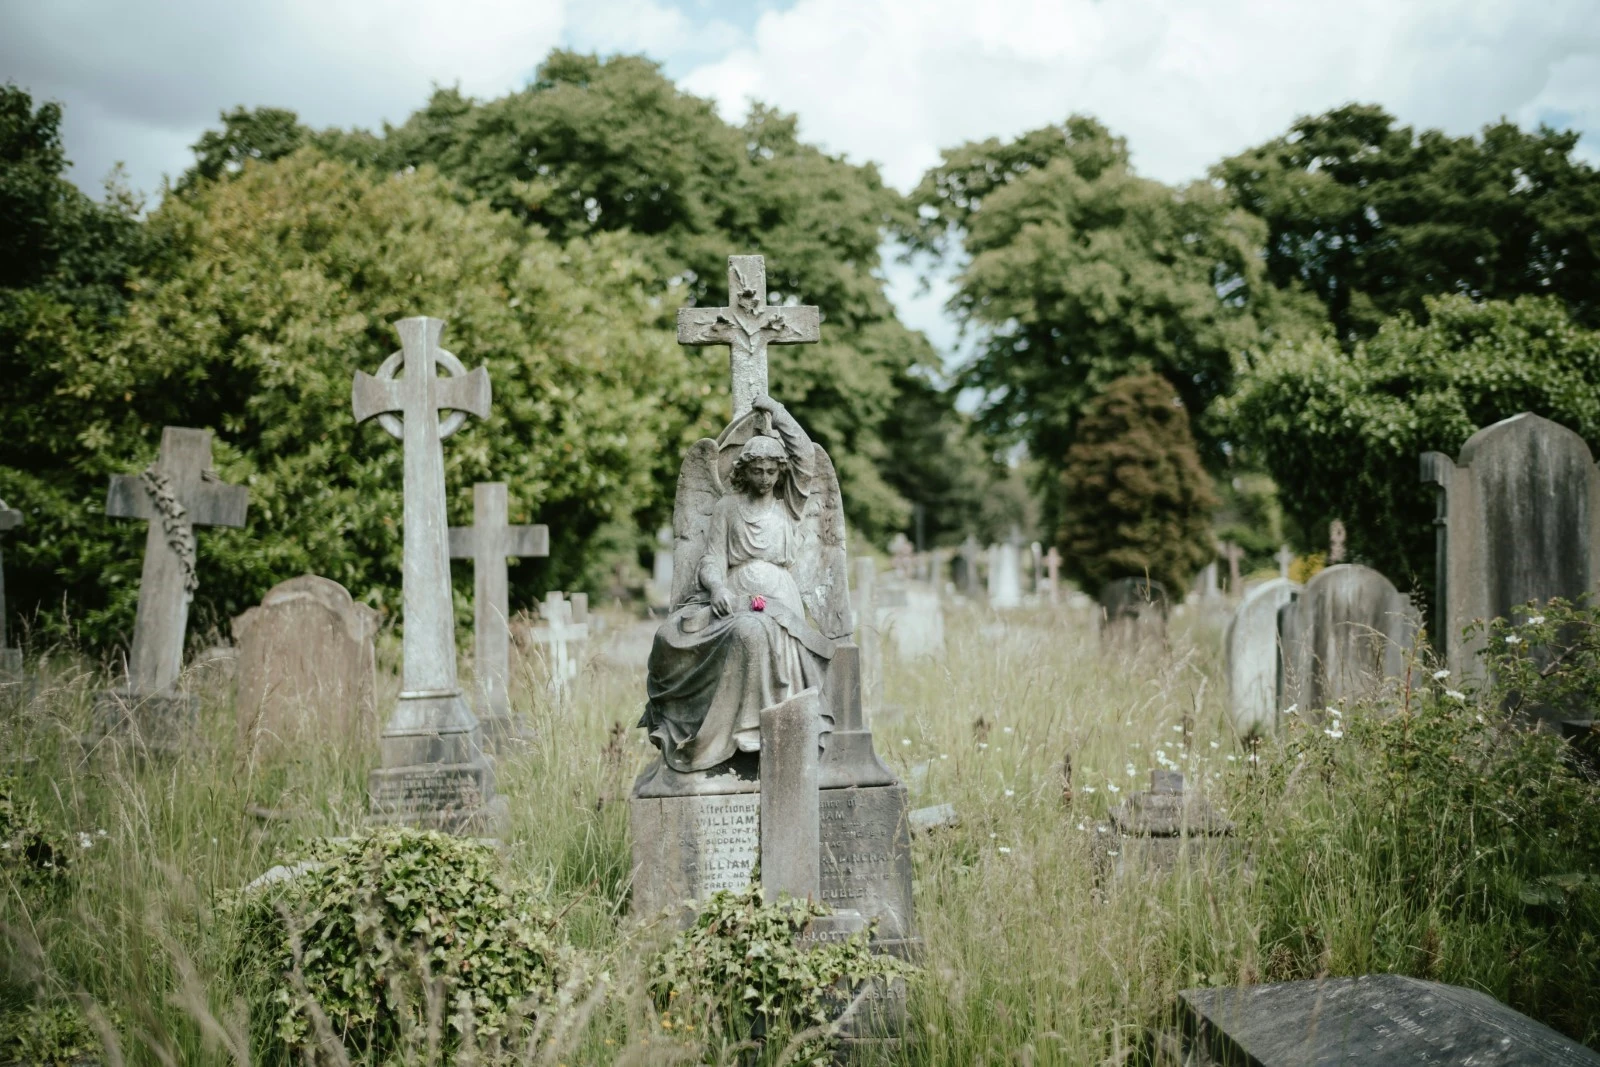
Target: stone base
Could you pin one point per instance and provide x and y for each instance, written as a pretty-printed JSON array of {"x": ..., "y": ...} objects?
[
  {"x": 503, "y": 733},
  {"x": 1143, "y": 856},
  {"x": 452, "y": 797},
  {"x": 154, "y": 724}
]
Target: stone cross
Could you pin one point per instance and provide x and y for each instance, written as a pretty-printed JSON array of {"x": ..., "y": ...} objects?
[
  {"x": 1052, "y": 570},
  {"x": 176, "y": 493},
  {"x": 1336, "y": 537},
  {"x": 487, "y": 542},
  {"x": 747, "y": 326},
  {"x": 1284, "y": 557},
  {"x": 1233, "y": 554},
  {"x": 559, "y": 631},
  {"x": 10, "y": 658}
]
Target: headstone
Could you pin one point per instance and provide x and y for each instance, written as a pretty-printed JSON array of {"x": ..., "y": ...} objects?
[
  {"x": 661, "y": 569},
  {"x": 1155, "y": 829},
  {"x": 1206, "y": 585},
  {"x": 558, "y": 635},
  {"x": 868, "y": 638},
  {"x": 1518, "y": 520},
  {"x": 1336, "y": 541},
  {"x": 1375, "y": 1020},
  {"x": 434, "y": 772},
  {"x": 1346, "y": 633},
  {"x": 176, "y": 493},
  {"x": 967, "y": 577},
  {"x": 1233, "y": 554},
  {"x": 10, "y": 658},
  {"x": 913, "y": 621},
  {"x": 1285, "y": 557},
  {"x": 1133, "y": 609},
  {"x": 901, "y": 555},
  {"x": 487, "y": 542},
  {"x": 306, "y": 665},
  {"x": 1255, "y": 658},
  {"x": 1052, "y": 572},
  {"x": 791, "y": 813},
  {"x": 1005, "y": 576}
]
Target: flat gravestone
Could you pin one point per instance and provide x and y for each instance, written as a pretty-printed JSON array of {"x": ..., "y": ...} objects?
[
  {"x": 1255, "y": 658},
  {"x": 1344, "y": 635},
  {"x": 306, "y": 665},
  {"x": 1378, "y": 1020},
  {"x": 1518, "y": 520}
]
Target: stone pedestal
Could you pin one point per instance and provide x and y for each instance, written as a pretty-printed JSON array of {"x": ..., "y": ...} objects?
[
  {"x": 154, "y": 723},
  {"x": 1155, "y": 829},
  {"x": 436, "y": 779}
]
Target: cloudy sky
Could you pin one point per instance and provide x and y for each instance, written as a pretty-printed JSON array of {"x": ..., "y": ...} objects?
[{"x": 1186, "y": 81}]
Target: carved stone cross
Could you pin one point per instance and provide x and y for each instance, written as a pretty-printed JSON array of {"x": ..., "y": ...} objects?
[
  {"x": 487, "y": 542},
  {"x": 178, "y": 492},
  {"x": 1336, "y": 539},
  {"x": 560, "y": 630},
  {"x": 1052, "y": 570},
  {"x": 10, "y": 658},
  {"x": 1233, "y": 554},
  {"x": 747, "y": 326},
  {"x": 1284, "y": 557}
]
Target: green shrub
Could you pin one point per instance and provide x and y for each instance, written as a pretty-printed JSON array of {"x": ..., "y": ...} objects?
[
  {"x": 28, "y": 853},
  {"x": 397, "y": 938},
  {"x": 49, "y": 1035}
]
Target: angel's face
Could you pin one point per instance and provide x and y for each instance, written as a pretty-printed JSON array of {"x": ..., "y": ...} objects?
[{"x": 761, "y": 474}]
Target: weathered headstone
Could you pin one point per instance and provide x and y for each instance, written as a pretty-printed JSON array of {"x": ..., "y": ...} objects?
[
  {"x": 1155, "y": 829},
  {"x": 306, "y": 664},
  {"x": 1284, "y": 556},
  {"x": 10, "y": 658},
  {"x": 1336, "y": 541},
  {"x": 1255, "y": 657},
  {"x": 967, "y": 578},
  {"x": 1376, "y": 1020},
  {"x": 1518, "y": 520},
  {"x": 1052, "y": 573},
  {"x": 1206, "y": 585},
  {"x": 176, "y": 493},
  {"x": 661, "y": 569},
  {"x": 487, "y": 542},
  {"x": 1346, "y": 633},
  {"x": 1233, "y": 554},
  {"x": 791, "y": 813},
  {"x": 1133, "y": 609},
  {"x": 902, "y": 555},
  {"x": 558, "y": 635},
  {"x": 434, "y": 772},
  {"x": 1005, "y": 575},
  {"x": 868, "y": 637}
]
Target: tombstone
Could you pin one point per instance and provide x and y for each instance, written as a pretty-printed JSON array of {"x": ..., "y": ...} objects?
[
  {"x": 1052, "y": 573},
  {"x": 1346, "y": 633},
  {"x": 1255, "y": 658},
  {"x": 1336, "y": 541},
  {"x": 487, "y": 542},
  {"x": 901, "y": 555},
  {"x": 560, "y": 635},
  {"x": 911, "y": 618},
  {"x": 697, "y": 820},
  {"x": 1518, "y": 520},
  {"x": 306, "y": 667},
  {"x": 1155, "y": 829},
  {"x": 1233, "y": 554},
  {"x": 1005, "y": 576},
  {"x": 176, "y": 493},
  {"x": 1133, "y": 609},
  {"x": 1206, "y": 585},
  {"x": 10, "y": 658},
  {"x": 661, "y": 569},
  {"x": 965, "y": 567},
  {"x": 434, "y": 772},
  {"x": 1285, "y": 557},
  {"x": 868, "y": 637},
  {"x": 1370, "y": 1021}
]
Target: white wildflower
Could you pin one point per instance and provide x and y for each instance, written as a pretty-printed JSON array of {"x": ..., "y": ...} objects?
[
  {"x": 1332, "y": 731},
  {"x": 100, "y": 833},
  {"x": 1102, "y": 829},
  {"x": 1082, "y": 826},
  {"x": 1011, "y": 792},
  {"x": 1513, "y": 639},
  {"x": 1292, "y": 709},
  {"x": 944, "y": 755},
  {"x": 905, "y": 740},
  {"x": 1455, "y": 694},
  {"x": 1088, "y": 789},
  {"x": 1112, "y": 787},
  {"x": 1215, "y": 745},
  {"x": 1004, "y": 850},
  {"x": 1232, "y": 758},
  {"x": 1006, "y": 730},
  {"x": 1177, "y": 728},
  {"x": 993, "y": 836},
  {"x": 1535, "y": 620},
  {"x": 983, "y": 744},
  {"x": 85, "y": 840},
  {"x": 1112, "y": 852},
  {"x": 1440, "y": 675}
]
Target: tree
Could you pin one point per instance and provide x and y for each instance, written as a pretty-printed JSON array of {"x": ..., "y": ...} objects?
[
  {"x": 1342, "y": 432},
  {"x": 1372, "y": 217},
  {"x": 1135, "y": 499}
]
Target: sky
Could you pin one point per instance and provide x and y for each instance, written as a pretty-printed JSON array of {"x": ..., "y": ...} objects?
[{"x": 1187, "y": 82}]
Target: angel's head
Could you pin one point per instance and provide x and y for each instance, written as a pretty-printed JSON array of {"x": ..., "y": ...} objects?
[{"x": 760, "y": 464}]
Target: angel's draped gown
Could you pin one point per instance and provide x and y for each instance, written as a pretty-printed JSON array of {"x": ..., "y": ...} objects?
[{"x": 710, "y": 677}]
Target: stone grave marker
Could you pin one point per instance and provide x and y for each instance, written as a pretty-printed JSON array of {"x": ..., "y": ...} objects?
[
  {"x": 1154, "y": 829},
  {"x": 1284, "y": 556},
  {"x": 559, "y": 635},
  {"x": 10, "y": 658},
  {"x": 176, "y": 493},
  {"x": 1375, "y": 1020},
  {"x": 1133, "y": 609},
  {"x": 1233, "y": 554},
  {"x": 1518, "y": 520},
  {"x": 868, "y": 638},
  {"x": 434, "y": 772},
  {"x": 1206, "y": 585},
  {"x": 1005, "y": 575},
  {"x": 488, "y": 542},
  {"x": 661, "y": 569},
  {"x": 1346, "y": 633},
  {"x": 1052, "y": 573},
  {"x": 306, "y": 666},
  {"x": 1336, "y": 541},
  {"x": 1255, "y": 657}
]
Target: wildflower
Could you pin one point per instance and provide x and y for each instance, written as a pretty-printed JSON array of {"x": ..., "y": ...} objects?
[
  {"x": 1232, "y": 758},
  {"x": 1480, "y": 720},
  {"x": 1332, "y": 731},
  {"x": 1292, "y": 709},
  {"x": 983, "y": 744},
  {"x": 1081, "y": 826},
  {"x": 944, "y": 755},
  {"x": 1011, "y": 792},
  {"x": 1088, "y": 789},
  {"x": 1112, "y": 852},
  {"x": 1005, "y": 850},
  {"x": 1131, "y": 772},
  {"x": 1253, "y": 758},
  {"x": 1102, "y": 829},
  {"x": 1332, "y": 711},
  {"x": 1513, "y": 639},
  {"x": 905, "y": 740},
  {"x": 1455, "y": 694},
  {"x": 1440, "y": 675},
  {"x": 1111, "y": 787},
  {"x": 1006, "y": 730},
  {"x": 100, "y": 833},
  {"x": 85, "y": 840},
  {"x": 1215, "y": 745},
  {"x": 5, "y": 846},
  {"x": 993, "y": 836},
  {"x": 1535, "y": 620},
  {"x": 1177, "y": 727}
]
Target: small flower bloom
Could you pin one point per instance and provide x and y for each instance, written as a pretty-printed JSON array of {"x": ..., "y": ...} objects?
[
  {"x": 1440, "y": 675},
  {"x": 1081, "y": 826},
  {"x": 1215, "y": 745},
  {"x": 1513, "y": 639},
  {"x": 993, "y": 836},
  {"x": 1006, "y": 730},
  {"x": 1011, "y": 792},
  {"x": 1232, "y": 758},
  {"x": 983, "y": 744},
  {"x": 758, "y": 603},
  {"x": 1005, "y": 850},
  {"x": 1332, "y": 732},
  {"x": 100, "y": 833},
  {"x": 944, "y": 755},
  {"x": 905, "y": 740},
  {"x": 85, "y": 840},
  {"x": 1112, "y": 852},
  {"x": 1111, "y": 787},
  {"x": 1292, "y": 709},
  {"x": 1535, "y": 620},
  {"x": 1102, "y": 829},
  {"x": 1455, "y": 694},
  {"x": 1088, "y": 789},
  {"x": 1177, "y": 728}
]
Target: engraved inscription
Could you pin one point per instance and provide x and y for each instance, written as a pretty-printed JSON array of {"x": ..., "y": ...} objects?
[{"x": 725, "y": 842}]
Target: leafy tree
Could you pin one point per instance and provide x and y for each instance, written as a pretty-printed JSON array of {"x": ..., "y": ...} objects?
[
  {"x": 273, "y": 289},
  {"x": 1372, "y": 217},
  {"x": 1135, "y": 499},
  {"x": 1342, "y": 432}
]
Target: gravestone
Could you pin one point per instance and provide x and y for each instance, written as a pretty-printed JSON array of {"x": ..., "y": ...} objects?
[
  {"x": 434, "y": 772},
  {"x": 306, "y": 665},
  {"x": 558, "y": 636},
  {"x": 1284, "y": 556},
  {"x": 965, "y": 568},
  {"x": 487, "y": 542},
  {"x": 1206, "y": 585},
  {"x": 911, "y": 618},
  {"x": 1155, "y": 829},
  {"x": 1343, "y": 635},
  {"x": 1255, "y": 657},
  {"x": 902, "y": 555},
  {"x": 176, "y": 493},
  {"x": 1518, "y": 520},
  {"x": 1005, "y": 575},
  {"x": 661, "y": 569},
  {"x": 1133, "y": 609},
  {"x": 1233, "y": 554},
  {"x": 1052, "y": 573},
  {"x": 868, "y": 638},
  {"x": 1375, "y": 1020},
  {"x": 10, "y": 658},
  {"x": 1336, "y": 541}
]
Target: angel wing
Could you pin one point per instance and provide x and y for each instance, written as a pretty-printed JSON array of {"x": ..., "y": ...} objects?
[
  {"x": 822, "y": 573},
  {"x": 699, "y": 488}
]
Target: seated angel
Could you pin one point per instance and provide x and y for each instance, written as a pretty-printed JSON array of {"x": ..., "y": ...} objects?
[{"x": 760, "y": 543}]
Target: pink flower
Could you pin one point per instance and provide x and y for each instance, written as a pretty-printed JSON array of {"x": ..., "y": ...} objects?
[{"x": 758, "y": 603}]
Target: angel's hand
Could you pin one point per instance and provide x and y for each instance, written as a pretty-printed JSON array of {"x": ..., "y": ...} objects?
[
  {"x": 722, "y": 602},
  {"x": 766, "y": 403}
]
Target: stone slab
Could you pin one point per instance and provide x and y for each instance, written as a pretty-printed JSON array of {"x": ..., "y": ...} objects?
[
  {"x": 1383, "y": 1019},
  {"x": 454, "y": 797}
]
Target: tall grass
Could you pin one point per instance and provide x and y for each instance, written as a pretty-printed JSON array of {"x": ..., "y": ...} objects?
[{"x": 1030, "y": 957}]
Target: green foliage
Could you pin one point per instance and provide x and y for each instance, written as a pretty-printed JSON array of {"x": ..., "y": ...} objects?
[
  {"x": 30, "y": 856},
  {"x": 1469, "y": 832},
  {"x": 1135, "y": 499},
  {"x": 1373, "y": 218},
  {"x": 391, "y": 926},
  {"x": 1342, "y": 433},
  {"x": 275, "y": 287},
  {"x": 49, "y": 1035},
  {"x": 739, "y": 972}
]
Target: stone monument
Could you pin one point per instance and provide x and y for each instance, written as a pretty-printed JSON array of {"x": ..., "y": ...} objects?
[
  {"x": 556, "y": 633},
  {"x": 868, "y": 638},
  {"x": 1233, "y": 554},
  {"x": 306, "y": 665},
  {"x": 1336, "y": 541},
  {"x": 1005, "y": 574},
  {"x": 1255, "y": 658},
  {"x": 434, "y": 772},
  {"x": 1133, "y": 609},
  {"x": 1285, "y": 557},
  {"x": 1155, "y": 829},
  {"x": 176, "y": 493},
  {"x": 1052, "y": 574},
  {"x": 760, "y": 614},
  {"x": 487, "y": 542},
  {"x": 10, "y": 658},
  {"x": 1346, "y": 633},
  {"x": 661, "y": 569},
  {"x": 1518, "y": 520}
]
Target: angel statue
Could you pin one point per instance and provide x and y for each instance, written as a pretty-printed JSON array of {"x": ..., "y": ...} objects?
[{"x": 759, "y": 594}]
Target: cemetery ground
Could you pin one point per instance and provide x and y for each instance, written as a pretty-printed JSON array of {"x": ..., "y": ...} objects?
[{"x": 1360, "y": 846}]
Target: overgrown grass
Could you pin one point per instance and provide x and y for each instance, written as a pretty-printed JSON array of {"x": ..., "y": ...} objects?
[{"x": 1027, "y": 958}]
